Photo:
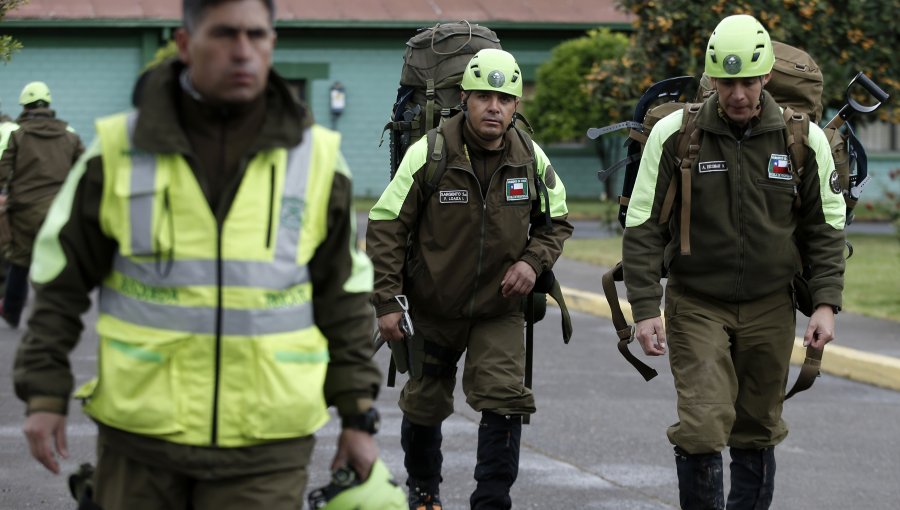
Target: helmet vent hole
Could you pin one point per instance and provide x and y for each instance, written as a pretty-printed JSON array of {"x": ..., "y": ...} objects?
[{"x": 755, "y": 57}]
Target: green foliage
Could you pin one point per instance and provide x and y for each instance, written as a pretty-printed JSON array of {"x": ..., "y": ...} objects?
[
  {"x": 562, "y": 106},
  {"x": 8, "y": 45},
  {"x": 843, "y": 37}
]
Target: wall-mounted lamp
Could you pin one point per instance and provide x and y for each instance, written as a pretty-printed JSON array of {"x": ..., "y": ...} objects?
[{"x": 337, "y": 102}]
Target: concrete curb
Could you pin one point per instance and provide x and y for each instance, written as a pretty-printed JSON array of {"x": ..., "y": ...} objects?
[{"x": 877, "y": 370}]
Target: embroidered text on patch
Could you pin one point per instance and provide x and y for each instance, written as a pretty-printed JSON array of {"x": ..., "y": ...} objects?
[
  {"x": 456, "y": 196},
  {"x": 516, "y": 189},
  {"x": 712, "y": 166},
  {"x": 779, "y": 167}
]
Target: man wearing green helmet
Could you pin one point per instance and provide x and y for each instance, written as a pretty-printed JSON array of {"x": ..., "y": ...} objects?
[
  {"x": 477, "y": 246},
  {"x": 33, "y": 166},
  {"x": 729, "y": 307}
]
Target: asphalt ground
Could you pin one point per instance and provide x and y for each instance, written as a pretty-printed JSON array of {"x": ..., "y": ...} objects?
[
  {"x": 598, "y": 438},
  {"x": 597, "y": 441}
]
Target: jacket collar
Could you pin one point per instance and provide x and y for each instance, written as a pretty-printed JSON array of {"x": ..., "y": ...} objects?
[
  {"x": 159, "y": 129},
  {"x": 769, "y": 119},
  {"x": 515, "y": 153}
]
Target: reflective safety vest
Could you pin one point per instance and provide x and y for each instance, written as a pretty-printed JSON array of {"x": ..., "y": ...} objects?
[{"x": 207, "y": 333}]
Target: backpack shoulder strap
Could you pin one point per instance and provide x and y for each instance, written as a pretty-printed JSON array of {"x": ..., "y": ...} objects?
[
  {"x": 796, "y": 138},
  {"x": 796, "y": 135},
  {"x": 686, "y": 153},
  {"x": 542, "y": 192},
  {"x": 437, "y": 162}
]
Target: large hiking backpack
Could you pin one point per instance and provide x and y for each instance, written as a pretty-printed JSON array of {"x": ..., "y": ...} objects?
[
  {"x": 429, "y": 90},
  {"x": 796, "y": 85}
]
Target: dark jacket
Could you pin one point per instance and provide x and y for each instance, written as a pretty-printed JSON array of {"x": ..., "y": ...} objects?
[
  {"x": 746, "y": 235},
  {"x": 465, "y": 241},
  {"x": 38, "y": 157},
  {"x": 42, "y": 375}
]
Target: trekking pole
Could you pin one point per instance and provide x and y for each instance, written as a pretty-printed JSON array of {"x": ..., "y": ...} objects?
[
  {"x": 853, "y": 107},
  {"x": 529, "y": 346},
  {"x": 858, "y": 160}
]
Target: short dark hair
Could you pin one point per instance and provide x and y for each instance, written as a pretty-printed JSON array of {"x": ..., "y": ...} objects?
[
  {"x": 40, "y": 103},
  {"x": 192, "y": 11}
]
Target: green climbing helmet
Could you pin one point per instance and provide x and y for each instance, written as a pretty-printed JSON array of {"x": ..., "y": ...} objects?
[
  {"x": 739, "y": 47},
  {"x": 495, "y": 70},
  {"x": 378, "y": 492},
  {"x": 34, "y": 91}
]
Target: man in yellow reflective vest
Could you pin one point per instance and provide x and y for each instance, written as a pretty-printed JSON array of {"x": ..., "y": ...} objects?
[{"x": 216, "y": 220}]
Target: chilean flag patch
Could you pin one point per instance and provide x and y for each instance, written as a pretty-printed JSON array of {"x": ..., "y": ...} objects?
[
  {"x": 516, "y": 189},
  {"x": 780, "y": 167}
]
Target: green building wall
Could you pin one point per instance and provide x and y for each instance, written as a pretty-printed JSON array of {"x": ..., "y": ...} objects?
[{"x": 91, "y": 72}]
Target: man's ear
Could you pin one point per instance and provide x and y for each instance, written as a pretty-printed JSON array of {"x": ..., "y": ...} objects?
[
  {"x": 766, "y": 78},
  {"x": 463, "y": 96},
  {"x": 182, "y": 38}
]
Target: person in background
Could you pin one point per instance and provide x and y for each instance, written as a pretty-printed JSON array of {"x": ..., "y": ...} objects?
[{"x": 35, "y": 162}]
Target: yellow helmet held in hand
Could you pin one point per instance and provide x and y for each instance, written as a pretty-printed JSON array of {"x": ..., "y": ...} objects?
[
  {"x": 739, "y": 47},
  {"x": 494, "y": 70},
  {"x": 34, "y": 91},
  {"x": 345, "y": 492}
]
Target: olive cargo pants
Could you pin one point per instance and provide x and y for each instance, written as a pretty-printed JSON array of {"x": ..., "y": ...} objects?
[
  {"x": 493, "y": 373},
  {"x": 730, "y": 363},
  {"x": 183, "y": 478}
]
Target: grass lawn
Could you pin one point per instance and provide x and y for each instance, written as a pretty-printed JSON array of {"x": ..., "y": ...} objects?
[{"x": 871, "y": 281}]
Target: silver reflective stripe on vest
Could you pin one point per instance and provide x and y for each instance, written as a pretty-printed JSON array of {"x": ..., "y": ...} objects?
[
  {"x": 143, "y": 185},
  {"x": 202, "y": 320},
  {"x": 277, "y": 275},
  {"x": 292, "y": 201},
  {"x": 235, "y": 273}
]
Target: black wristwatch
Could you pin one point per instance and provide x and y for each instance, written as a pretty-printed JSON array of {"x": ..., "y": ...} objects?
[{"x": 369, "y": 421}]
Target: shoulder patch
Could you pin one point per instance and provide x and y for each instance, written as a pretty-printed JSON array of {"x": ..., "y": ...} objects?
[{"x": 835, "y": 182}]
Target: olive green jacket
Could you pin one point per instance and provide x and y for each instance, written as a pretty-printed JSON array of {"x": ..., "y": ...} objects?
[
  {"x": 746, "y": 236},
  {"x": 464, "y": 242}
]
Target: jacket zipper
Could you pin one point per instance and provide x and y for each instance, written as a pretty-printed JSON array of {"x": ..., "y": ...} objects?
[
  {"x": 478, "y": 268},
  {"x": 271, "y": 206},
  {"x": 214, "y": 439},
  {"x": 740, "y": 193}
]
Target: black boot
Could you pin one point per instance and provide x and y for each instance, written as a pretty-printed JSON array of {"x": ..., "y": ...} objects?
[
  {"x": 752, "y": 478},
  {"x": 700, "y": 480},
  {"x": 422, "y": 448},
  {"x": 498, "y": 461},
  {"x": 16, "y": 295}
]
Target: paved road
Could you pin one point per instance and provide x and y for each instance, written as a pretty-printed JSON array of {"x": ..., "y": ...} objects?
[{"x": 597, "y": 442}]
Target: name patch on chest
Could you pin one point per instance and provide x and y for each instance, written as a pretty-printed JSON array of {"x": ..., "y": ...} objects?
[
  {"x": 516, "y": 189},
  {"x": 712, "y": 166},
  {"x": 454, "y": 196},
  {"x": 780, "y": 167}
]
